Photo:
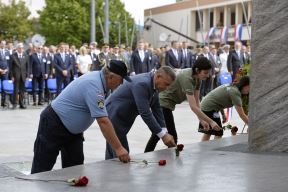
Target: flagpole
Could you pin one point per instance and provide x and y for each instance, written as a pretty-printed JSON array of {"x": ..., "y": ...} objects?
[
  {"x": 246, "y": 19},
  {"x": 201, "y": 22}
]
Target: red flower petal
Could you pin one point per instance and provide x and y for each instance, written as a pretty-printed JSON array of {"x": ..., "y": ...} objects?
[
  {"x": 180, "y": 147},
  {"x": 162, "y": 162},
  {"x": 82, "y": 181}
]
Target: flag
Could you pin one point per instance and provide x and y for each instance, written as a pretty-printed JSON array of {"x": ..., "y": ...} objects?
[
  {"x": 210, "y": 33},
  {"x": 223, "y": 36},
  {"x": 238, "y": 32},
  {"x": 229, "y": 114}
]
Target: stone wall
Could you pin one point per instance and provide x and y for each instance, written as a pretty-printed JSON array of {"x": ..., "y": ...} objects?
[{"x": 268, "y": 107}]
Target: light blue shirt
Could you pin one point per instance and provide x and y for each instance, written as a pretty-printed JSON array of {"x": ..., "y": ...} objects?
[{"x": 81, "y": 102}]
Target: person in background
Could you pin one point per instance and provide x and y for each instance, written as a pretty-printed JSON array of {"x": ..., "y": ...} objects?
[{"x": 83, "y": 61}]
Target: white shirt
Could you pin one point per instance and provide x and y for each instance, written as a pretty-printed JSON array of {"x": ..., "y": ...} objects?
[
  {"x": 223, "y": 58},
  {"x": 175, "y": 53},
  {"x": 84, "y": 61}
]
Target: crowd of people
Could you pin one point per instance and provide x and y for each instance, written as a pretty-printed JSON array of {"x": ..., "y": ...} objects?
[{"x": 153, "y": 82}]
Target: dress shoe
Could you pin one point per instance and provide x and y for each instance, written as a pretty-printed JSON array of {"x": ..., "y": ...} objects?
[
  {"x": 40, "y": 103},
  {"x": 23, "y": 107},
  {"x": 34, "y": 104}
]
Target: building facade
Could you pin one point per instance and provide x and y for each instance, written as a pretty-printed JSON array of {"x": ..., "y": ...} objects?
[{"x": 205, "y": 21}]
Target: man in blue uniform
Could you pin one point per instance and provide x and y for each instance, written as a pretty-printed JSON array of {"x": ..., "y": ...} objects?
[
  {"x": 140, "y": 97},
  {"x": 62, "y": 124}
]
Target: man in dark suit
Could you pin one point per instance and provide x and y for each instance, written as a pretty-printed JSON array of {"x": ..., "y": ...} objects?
[
  {"x": 48, "y": 61},
  {"x": 139, "y": 97},
  {"x": 173, "y": 57},
  {"x": 188, "y": 57},
  {"x": 93, "y": 54},
  {"x": 216, "y": 63},
  {"x": 4, "y": 63},
  {"x": 140, "y": 61},
  {"x": 19, "y": 73},
  {"x": 235, "y": 60},
  {"x": 62, "y": 65},
  {"x": 38, "y": 74}
]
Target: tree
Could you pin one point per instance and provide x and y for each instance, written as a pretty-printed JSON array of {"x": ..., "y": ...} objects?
[
  {"x": 69, "y": 21},
  {"x": 15, "y": 24},
  {"x": 64, "y": 21}
]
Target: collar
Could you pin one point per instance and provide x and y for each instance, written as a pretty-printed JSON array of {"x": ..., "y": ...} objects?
[{"x": 104, "y": 84}]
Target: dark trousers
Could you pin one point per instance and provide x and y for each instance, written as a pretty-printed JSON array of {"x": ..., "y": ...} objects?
[
  {"x": 110, "y": 153},
  {"x": 46, "y": 91},
  {"x": 19, "y": 88},
  {"x": 53, "y": 137},
  {"x": 37, "y": 81},
  {"x": 170, "y": 124},
  {"x": 206, "y": 87},
  {"x": 62, "y": 80},
  {"x": 3, "y": 94}
]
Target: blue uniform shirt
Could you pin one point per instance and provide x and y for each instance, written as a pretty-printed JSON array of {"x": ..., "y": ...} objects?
[{"x": 81, "y": 102}]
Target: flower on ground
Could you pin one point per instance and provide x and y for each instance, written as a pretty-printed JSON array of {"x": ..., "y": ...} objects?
[
  {"x": 81, "y": 181},
  {"x": 162, "y": 162},
  {"x": 178, "y": 149}
]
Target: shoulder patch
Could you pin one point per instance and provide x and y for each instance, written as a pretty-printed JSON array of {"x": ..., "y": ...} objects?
[{"x": 100, "y": 104}]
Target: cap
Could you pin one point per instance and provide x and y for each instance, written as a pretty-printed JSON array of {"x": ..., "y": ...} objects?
[
  {"x": 119, "y": 68},
  {"x": 105, "y": 45}
]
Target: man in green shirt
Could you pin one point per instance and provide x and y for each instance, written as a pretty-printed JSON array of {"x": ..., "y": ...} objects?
[
  {"x": 185, "y": 87},
  {"x": 222, "y": 97}
]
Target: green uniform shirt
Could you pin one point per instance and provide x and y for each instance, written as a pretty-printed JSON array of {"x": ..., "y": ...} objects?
[
  {"x": 176, "y": 93},
  {"x": 220, "y": 98}
]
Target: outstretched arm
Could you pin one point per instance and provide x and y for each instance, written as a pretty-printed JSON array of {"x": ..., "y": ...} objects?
[
  {"x": 200, "y": 114},
  {"x": 242, "y": 114},
  {"x": 110, "y": 135}
]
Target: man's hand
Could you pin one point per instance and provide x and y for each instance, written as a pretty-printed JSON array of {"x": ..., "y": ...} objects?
[
  {"x": 65, "y": 72},
  {"x": 123, "y": 155},
  {"x": 205, "y": 125},
  {"x": 215, "y": 126},
  {"x": 168, "y": 140}
]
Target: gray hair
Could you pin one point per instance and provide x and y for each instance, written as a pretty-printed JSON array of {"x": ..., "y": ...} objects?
[{"x": 166, "y": 70}]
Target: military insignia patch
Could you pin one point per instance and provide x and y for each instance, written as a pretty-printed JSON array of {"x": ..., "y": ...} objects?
[{"x": 101, "y": 104}]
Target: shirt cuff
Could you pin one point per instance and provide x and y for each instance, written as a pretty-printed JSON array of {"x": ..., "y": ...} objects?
[{"x": 162, "y": 133}]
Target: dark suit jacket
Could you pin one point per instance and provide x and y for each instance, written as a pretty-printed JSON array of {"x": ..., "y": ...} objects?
[
  {"x": 4, "y": 59},
  {"x": 189, "y": 60},
  {"x": 37, "y": 65},
  {"x": 59, "y": 65},
  {"x": 137, "y": 66},
  {"x": 215, "y": 64},
  {"x": 170, "y": 59},
  {"x": 234, "y": 62},
  {"x": 132, "y": 99},
  {"x": 48, "y": 60},
  {"x": 19, "y": 67}
]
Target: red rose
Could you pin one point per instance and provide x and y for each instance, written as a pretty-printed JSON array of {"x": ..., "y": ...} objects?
[
  {"x": 81, "y": 181},
  {"x": 180, "y": 147},
  {"x": 162, "y": 162},
  {"x": 234, "y": 130}
]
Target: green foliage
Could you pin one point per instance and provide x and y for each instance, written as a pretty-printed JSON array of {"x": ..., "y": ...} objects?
[
  {"x": 15, "y": 24},
  {"x": 69, "y": 21},
  {"x": 64, "y": 21},
  {"x": 245, "y": 98}
]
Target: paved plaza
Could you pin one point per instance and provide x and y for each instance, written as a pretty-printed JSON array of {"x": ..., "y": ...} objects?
[{"x": 19, "y": 128}]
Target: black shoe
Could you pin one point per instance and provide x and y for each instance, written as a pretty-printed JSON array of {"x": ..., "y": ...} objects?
[
  {"x": 34, "y": 104},
  {"x": 14, "y": 106},
  {"x": 3, "y": 104},
  {"x": 40, "y": 103},
  {"x": 22, "y": 107}
]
